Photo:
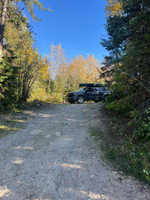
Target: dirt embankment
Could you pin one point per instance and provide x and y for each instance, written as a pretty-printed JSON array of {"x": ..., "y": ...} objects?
[{"x": 54, "y": 158}]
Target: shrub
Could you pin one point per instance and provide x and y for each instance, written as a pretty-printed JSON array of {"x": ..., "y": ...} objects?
[
  {"x": 143, "y": 131},
  {"x": 121, "y": 106}
]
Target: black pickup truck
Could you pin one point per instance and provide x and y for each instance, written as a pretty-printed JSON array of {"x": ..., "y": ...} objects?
[{"x": 88, "y": 92}]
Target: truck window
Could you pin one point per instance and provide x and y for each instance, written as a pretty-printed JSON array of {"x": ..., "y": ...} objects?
[
  {"x": 95, "y": 89},
  {"x": 101, "y": 89},
  {"x": 89, "y": 90}
]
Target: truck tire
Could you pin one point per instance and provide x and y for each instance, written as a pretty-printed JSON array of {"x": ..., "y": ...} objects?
[
  {"x": 96, "y": 101},
  {"x": 72, "y": 102},
  {"x": 80, "y": 99}
]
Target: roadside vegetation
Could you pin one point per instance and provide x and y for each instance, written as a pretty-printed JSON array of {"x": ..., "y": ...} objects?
[
  {"x": 127, "y": 72},
  {"x": 13, "y": 120}
]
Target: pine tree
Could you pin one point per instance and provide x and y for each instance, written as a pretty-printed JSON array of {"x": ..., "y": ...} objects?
[{"x": 129, "y": 44}]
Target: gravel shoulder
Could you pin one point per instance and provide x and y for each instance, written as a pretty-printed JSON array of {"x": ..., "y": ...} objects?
[{"x": 54, "y": 158}]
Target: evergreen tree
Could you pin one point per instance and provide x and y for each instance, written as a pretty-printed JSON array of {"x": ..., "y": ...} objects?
[
  {"x": 129, "y": 47},
  {"x": 21, "y": 62}
]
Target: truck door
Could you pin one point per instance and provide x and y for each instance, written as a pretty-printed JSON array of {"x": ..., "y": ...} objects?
[
  {"x": 89, "y": 94},
  {"x": 96, "y": 94},
  {"x": 101, "y": 92}
]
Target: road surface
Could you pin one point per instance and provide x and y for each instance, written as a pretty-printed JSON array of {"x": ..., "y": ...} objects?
[{"x": 54, "y": 158}]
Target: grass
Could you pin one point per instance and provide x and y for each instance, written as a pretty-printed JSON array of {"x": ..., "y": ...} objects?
[
  {"x": 104, "y": 143},
  {"x": 6, "y": 129},
  {"x": 12, "y": 121},
  {"x": 120, "y": 152}
]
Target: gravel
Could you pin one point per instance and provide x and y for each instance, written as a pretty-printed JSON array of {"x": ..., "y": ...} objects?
[{"x": 54, "y": 158}]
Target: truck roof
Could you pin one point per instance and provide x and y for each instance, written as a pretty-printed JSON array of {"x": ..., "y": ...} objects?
[{"x": 90, "y": 85}]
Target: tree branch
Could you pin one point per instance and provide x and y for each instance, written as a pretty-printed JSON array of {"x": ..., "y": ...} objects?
[{"x": 130, "y": 75}]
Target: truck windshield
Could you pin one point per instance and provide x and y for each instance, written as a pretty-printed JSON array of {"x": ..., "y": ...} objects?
[{"x": 81, "y": 90}]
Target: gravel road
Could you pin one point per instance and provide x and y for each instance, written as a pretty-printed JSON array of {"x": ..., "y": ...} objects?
[{"x": 54, "y": 158}]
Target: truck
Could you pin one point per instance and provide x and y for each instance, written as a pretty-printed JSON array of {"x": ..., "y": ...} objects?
[{"x": 89, "y": 92}]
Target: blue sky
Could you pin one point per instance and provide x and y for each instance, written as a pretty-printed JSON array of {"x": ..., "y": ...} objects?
[{"x": 77, "y": 24}]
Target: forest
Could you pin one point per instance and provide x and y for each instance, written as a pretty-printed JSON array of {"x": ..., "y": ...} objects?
[{"x": 26, "y": 76}]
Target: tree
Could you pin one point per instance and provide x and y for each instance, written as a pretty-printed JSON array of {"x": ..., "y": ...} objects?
[
  {"x": 129, "y": 44},
  {"x": 92, "y": 69},
  {"x": 56, "y": 58},
  {"x": 77, "y": 72},
  {"x": 4, "y": 5},
  {"x": 30, "y": 65},
  {"x": 128, "y": 65},
  {"x": 58, "y": 67},
  {"x": 113, "y": 8},
  {"x": 6, "y": 11},
  {"x": 21, "y": 62}
]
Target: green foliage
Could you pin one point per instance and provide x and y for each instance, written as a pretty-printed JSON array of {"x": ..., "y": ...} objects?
[
  {"x": 21, "y": 62},
  {"x": 127, "y": 71},
  {"x": 134, "y": 113},
  {"x": 121, "y": 106},
  {"x": 128, "y": 44},
  {"x": 127, "y": 67},
  {"x": 124, "y": 154},
  {"x": 143, "y": 132},
  {"x": 8, "y": 82},
  {"x": 1, "y": 107}
]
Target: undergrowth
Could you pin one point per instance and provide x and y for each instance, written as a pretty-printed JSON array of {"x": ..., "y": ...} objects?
[{"x": 127, "y": 143}]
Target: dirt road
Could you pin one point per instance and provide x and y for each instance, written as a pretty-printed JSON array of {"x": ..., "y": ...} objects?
[{"x": 54, "y": 158}]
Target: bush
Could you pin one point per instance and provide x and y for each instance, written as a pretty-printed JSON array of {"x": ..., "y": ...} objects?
[
  {"x": 143, "y": 131},
  {"x": 121, "y": 106}
]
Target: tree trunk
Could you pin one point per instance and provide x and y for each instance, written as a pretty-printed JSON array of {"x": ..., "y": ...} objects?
[{"x": 3, "y": 18}]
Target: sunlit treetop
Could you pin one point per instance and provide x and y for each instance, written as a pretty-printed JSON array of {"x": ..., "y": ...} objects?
[{"x": 113, "y": 7}]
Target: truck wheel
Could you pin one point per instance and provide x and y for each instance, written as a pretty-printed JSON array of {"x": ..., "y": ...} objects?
[
  {"x": 80, "y": 99},
  {"x": 96, "y": 101}
]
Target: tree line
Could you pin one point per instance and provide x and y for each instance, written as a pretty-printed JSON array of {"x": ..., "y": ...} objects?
[
  {"x": 128, "y": 43},
  {"x": 60, "y": 75}
]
